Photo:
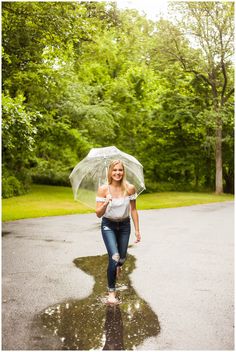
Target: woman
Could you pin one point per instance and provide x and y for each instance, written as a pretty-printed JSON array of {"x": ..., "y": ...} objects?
[{"x": 114, "y": 203}]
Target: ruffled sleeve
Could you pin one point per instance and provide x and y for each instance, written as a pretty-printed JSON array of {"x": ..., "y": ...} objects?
[
  {"x": 100, "y": 199},
  {"x": 133, "y": 196}
]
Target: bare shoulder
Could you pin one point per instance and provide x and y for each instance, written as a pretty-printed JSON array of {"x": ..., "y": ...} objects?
[
  {"x": 102, "y": 191},
  {"x": 131, "y": 189}
]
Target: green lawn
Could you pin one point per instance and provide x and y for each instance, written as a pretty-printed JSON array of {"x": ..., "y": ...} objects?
[
  {"x": 54, "y": 200},
  {"x": 179, "y": 199}
]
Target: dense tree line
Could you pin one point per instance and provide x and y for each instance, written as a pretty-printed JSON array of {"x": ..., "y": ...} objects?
[{"x": 82, "y": 75}]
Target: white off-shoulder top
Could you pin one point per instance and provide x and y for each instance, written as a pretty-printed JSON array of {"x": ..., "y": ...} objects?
[{"x": 118, "y": 208}]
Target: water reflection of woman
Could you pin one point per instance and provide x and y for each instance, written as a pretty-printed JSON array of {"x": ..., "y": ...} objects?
[
  {"x": 115, "y": 201},
  {"x": 113, "y": 329},
  {"x": 86, "y": 324}
]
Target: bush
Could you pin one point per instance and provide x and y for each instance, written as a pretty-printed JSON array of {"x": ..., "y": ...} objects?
[
  {"x": 50, "y": 173},
  {"x": 15, "y": 184},
  {"x": 154, "y": 186},
  {"x": 50, "y": 177},
  {"x": 11, "y": 187},
  {"x": 25, "y": 179}
]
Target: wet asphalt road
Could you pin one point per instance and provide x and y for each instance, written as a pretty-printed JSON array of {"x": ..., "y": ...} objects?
[{"x": 184, "y": 270}]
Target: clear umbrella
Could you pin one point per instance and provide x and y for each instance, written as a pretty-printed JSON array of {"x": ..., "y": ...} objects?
[{"x": 91, "y": 172}]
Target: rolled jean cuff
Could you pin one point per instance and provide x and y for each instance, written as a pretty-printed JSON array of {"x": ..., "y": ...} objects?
[{"x": 111, "y": 289}]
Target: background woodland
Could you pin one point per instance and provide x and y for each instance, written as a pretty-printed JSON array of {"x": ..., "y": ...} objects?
[{"x": 82, "y": 75}]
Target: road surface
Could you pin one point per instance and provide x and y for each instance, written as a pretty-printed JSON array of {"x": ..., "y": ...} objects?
[{"x": 184, "y": 271}]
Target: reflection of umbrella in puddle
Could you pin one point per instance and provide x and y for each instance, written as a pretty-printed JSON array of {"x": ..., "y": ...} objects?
[{"x": 89, "y": 324}]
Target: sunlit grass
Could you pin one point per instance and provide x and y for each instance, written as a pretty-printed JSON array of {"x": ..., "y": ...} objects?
[
  {"x": 42, "y": 201},
  {"x": 179, "y": 199},
  {"x": 54, "y": 200}
]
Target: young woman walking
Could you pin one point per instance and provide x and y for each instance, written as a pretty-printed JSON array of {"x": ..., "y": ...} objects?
[{"x": 114, "y": 203}]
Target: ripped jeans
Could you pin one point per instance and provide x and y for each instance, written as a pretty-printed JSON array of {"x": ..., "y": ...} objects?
[{"x": 116, "y": 238}]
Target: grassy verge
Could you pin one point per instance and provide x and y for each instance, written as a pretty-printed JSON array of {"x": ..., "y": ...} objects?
[
  {"x": 53, "y": 200},
  {"x": 179, "y": 199},
  {"x": 42, "y": 201}
]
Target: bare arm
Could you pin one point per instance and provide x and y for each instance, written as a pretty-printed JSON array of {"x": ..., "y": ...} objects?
[
  {"x": 134, "y": 215},
  {"x": 101, "y": 206}
]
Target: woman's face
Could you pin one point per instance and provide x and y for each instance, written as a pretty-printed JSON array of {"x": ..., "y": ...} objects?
[{"x": 117, "y": 172}]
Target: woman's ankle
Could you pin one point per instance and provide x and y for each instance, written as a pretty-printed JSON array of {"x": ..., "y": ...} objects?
[{"x": 112, "y": 294}]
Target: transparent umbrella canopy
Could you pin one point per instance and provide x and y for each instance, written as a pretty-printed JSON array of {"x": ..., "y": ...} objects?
[{"x": 91, "y": 172}]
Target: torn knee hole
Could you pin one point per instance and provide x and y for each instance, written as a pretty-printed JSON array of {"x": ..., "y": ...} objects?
[{"x": 116, "y": 257}]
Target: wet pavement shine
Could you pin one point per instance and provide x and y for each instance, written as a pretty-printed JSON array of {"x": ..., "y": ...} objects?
[
  {"x": 176, "y": 288},
  {"x": 90, "y": 324}
]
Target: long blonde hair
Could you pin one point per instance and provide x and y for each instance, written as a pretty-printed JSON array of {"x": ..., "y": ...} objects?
[{"x": 123, "y": 181}]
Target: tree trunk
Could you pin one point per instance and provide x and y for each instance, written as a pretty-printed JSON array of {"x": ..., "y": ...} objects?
[{"x": 218, "y": 158}]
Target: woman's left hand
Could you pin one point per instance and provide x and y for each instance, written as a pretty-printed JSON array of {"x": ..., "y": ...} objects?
[{"x": 138, "y": 237}]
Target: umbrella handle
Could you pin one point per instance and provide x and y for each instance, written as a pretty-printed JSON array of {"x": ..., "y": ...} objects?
[
  {"x": 106, "y": 169},
  {"x": 107, "y": 174}
]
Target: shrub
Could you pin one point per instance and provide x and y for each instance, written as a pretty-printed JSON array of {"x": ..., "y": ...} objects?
[
  {"x": 154, "y": 186},
  {"x": 11, "y": 187},
  {"x": 50, "y": 173},
  {"x": 50, "y": 177},
  {"x": 15, "y": 184}
]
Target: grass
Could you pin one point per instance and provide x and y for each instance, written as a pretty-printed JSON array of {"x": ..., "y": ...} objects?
[
  {"x": 42, "y": 201},
  {"x": 179, "y": 199},
  {"x": 54, "y": 200}
]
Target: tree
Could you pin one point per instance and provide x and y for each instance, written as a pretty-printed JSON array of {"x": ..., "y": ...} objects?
[
  {"x": 78, "y": 75},
  {"x": 202, "y": 41}
]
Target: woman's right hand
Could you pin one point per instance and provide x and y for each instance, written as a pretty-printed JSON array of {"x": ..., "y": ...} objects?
[
  {"x": 101, "y": 207},
  {"x": 108, "y": 198}
]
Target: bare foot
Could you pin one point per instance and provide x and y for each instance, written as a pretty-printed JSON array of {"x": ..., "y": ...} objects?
[{"x": 112, "y": 299}]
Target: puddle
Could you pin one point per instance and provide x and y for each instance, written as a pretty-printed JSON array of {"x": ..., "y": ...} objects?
[{"x": 90, "y": 324}]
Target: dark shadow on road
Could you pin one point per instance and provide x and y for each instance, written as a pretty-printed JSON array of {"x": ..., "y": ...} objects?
[{"x": 90, "y": 324}]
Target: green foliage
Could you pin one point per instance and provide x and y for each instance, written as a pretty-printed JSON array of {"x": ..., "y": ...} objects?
[
  {"x": 11, "y": 186},
  {"x": 50, "y": 173},
  {"x": 18, "y": 144},
  {"x": 78, "y": 75},
  {"x": 15, "y": 184},
  {"x": 18, "y": 129}
]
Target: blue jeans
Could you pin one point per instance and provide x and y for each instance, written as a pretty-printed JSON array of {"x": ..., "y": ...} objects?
[{"x": 116, "y": 238}]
